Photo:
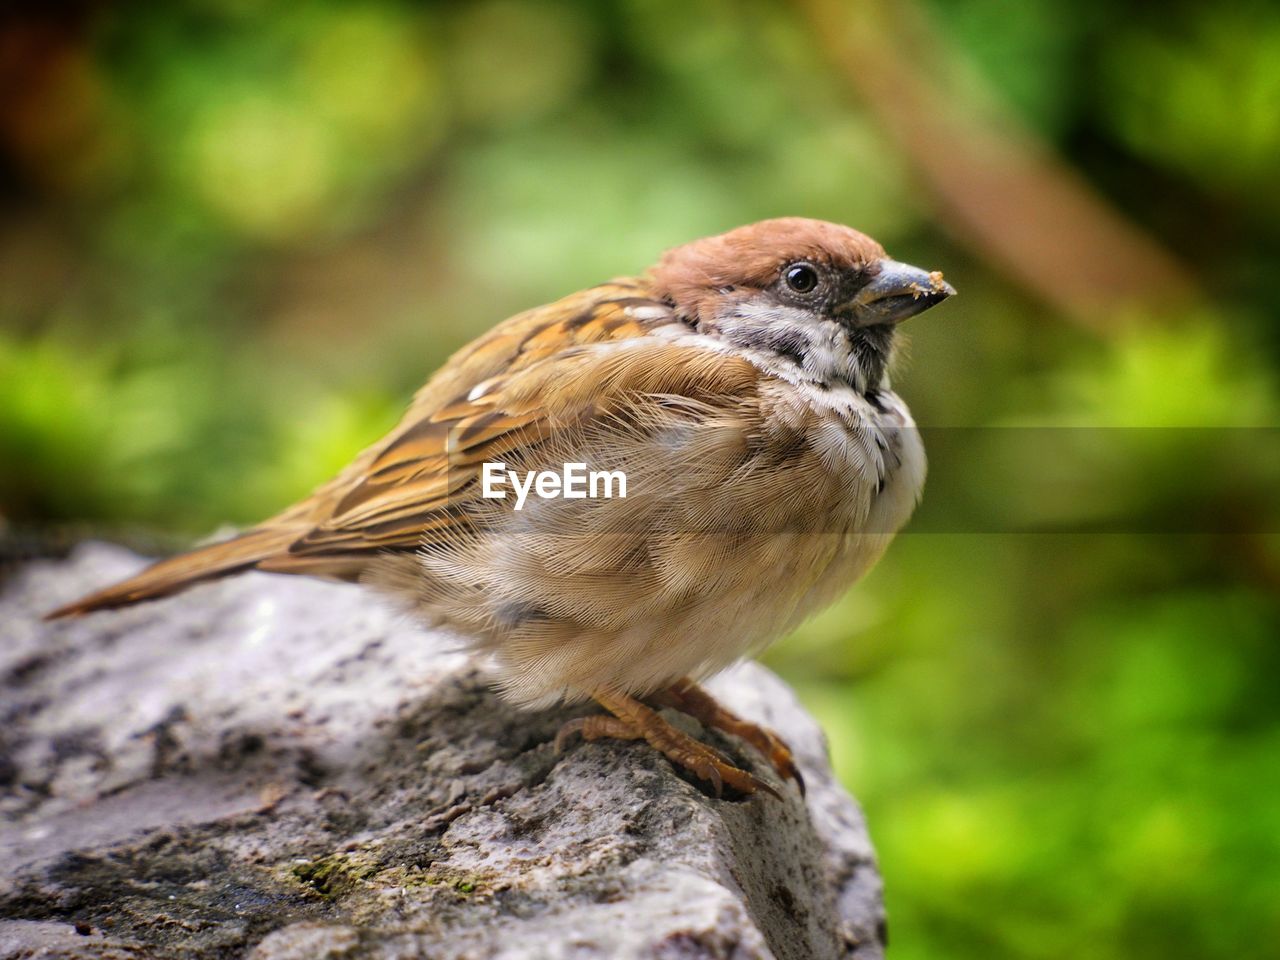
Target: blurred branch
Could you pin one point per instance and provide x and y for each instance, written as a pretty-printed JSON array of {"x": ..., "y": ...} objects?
[{"x": 999, "y": 189}]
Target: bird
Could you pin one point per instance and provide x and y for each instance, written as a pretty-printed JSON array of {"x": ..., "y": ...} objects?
[{"x": 740, "y": 387}]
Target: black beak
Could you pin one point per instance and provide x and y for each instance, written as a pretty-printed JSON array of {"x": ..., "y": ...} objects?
[{"x": 898, "y": 291}]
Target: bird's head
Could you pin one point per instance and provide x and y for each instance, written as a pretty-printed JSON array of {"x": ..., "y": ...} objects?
[{"x": 818, "y": 296}]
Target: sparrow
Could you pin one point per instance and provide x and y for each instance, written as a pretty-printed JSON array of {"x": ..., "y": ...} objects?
[{"x": 741, "y": 385}]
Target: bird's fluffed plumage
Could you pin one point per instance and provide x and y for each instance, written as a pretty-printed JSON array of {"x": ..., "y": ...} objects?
[{"x": 768, "y": 465}]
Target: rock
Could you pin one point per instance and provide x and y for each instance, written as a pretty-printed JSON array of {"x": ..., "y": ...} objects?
[{"x": 281, "y": 768}]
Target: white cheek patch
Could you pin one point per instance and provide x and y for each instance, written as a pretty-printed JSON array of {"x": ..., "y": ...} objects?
[{"x": 793, "y": 344}]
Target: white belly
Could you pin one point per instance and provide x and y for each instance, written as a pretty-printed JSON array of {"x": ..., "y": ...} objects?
[{"x": 746, "y": 594}]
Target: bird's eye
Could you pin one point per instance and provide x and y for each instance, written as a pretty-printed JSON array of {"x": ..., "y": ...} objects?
[{"x": 801, "y": 277}]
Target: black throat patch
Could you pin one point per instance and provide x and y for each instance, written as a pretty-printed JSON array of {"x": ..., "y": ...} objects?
[{"x": 871, "y": 349}]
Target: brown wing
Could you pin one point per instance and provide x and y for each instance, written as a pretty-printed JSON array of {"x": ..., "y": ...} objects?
[
  {"x": 421, "y": 486},
  {"x": 393, "y": 492},
  {"x": 456, "y": 416},
  {"x": 618, "y": 310}
]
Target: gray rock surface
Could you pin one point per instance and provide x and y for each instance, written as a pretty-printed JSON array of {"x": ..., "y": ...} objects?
[{"x": 280, "y": 768}]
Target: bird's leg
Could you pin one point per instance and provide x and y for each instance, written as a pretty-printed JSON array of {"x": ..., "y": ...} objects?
[
  {"x": 688, "y": 697},
  {"x": 632, "y": 720}
]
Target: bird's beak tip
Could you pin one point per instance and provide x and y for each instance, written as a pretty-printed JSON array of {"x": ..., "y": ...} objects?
[{"x": 899, "y": 291}]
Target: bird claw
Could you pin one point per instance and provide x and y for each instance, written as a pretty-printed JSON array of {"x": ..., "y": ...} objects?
[
  {"x": 632, "y": 720},
  {"x": 689, "y": 698},
  {"x": 566, "y": 731}
]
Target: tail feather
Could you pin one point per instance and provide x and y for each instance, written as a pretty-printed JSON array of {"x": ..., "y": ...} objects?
[{"x": 176, "y": 574}]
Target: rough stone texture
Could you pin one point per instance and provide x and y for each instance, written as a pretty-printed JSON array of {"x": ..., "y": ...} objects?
[{"x": 280, "y": 768}]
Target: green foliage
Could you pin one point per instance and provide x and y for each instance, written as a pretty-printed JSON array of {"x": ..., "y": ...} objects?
[
  {"x": 246, "y": 233},
  {"x": 1203, "y": 99}
]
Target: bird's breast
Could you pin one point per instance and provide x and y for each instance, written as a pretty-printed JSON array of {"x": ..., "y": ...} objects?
[{"x": 867, "y": 468}]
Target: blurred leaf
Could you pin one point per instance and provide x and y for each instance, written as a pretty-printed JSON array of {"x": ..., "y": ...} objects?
[
  {"x": 1203, "y": 100},
  {"x": 1027, "y": 50},
  {"x": 512, "y": 63}
]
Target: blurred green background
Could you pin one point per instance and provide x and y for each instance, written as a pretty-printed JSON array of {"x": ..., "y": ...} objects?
[{"x": 235, "y": 236}]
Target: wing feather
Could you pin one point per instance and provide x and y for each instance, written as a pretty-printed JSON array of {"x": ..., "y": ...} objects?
[
  {"x": 421, "y": 485},
  {"x": 406, "y": 487}
]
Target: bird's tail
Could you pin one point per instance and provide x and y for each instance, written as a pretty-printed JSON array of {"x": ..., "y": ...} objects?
[{"x": 175, "y": 574}]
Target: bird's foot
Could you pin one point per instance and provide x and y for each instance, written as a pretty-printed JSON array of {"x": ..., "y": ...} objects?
[
  {"x": 690, "y": 698},
  {"x": 632, "y": 720}
]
